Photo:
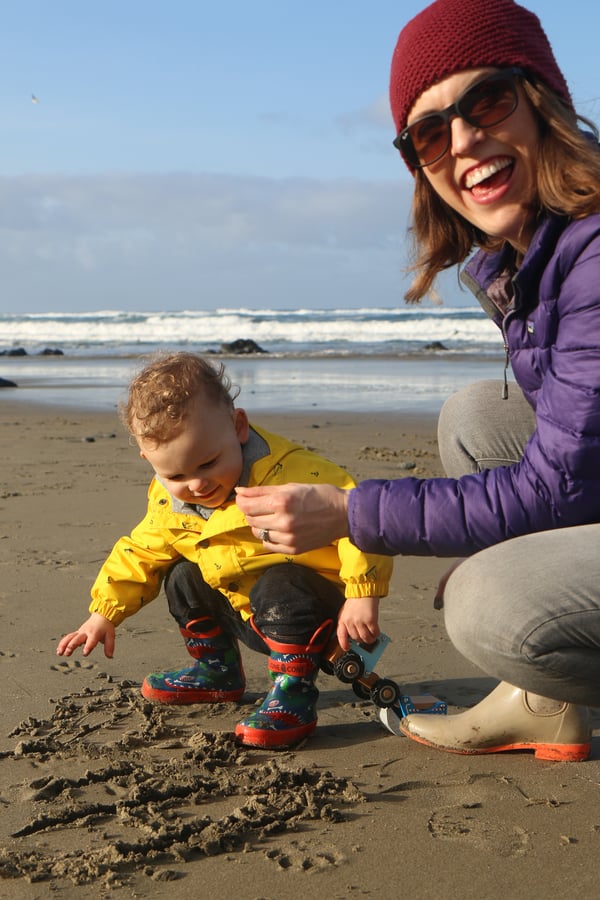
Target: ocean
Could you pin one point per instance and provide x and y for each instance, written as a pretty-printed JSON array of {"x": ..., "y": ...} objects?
[{"x": 362, "y": 359}]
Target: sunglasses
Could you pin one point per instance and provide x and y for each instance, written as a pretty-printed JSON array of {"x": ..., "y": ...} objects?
[{"x": 485, "y": 104}]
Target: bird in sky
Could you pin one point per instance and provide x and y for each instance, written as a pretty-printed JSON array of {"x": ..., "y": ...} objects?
[{"x": 34, "y": 99}]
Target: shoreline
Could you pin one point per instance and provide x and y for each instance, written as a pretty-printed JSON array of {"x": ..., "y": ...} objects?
[
  {"x": 267, "y": 383},
  {"x": 420, "y": 419}
]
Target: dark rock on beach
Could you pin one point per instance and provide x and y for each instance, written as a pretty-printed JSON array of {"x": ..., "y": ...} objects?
[
  {"x": 5, "y": 382},
  {"x": 434, "y": 345},
  {"x": 242, "y": 346},
  {"x": 14, "y": 351},
  {"x": 21, "y": 351}
]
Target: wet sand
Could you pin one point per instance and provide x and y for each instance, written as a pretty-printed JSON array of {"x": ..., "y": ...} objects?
[{"x": 105, "y": 795}]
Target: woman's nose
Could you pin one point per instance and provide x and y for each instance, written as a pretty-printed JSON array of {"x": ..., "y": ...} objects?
[{"x": 463, "y": 136}]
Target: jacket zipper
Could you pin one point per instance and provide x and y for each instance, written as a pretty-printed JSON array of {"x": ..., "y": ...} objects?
[
  {"x": 505, "y": 373},
  {"x": 512, "y": 307}
]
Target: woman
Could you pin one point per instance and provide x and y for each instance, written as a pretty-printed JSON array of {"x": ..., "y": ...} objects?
[{"x": 486, "y": 125}]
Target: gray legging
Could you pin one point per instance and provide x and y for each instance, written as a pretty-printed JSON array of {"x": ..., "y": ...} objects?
[{"x": 527, "y": 610}]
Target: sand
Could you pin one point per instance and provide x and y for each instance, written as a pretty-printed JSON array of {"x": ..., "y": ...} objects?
[{"x": 105, "y": 795}]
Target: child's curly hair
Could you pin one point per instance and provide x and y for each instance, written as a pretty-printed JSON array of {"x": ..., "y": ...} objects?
[{"x": 159, "y": 396}]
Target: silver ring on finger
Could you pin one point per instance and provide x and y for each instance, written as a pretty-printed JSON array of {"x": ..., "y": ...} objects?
[{"x": 263, "y": 535}]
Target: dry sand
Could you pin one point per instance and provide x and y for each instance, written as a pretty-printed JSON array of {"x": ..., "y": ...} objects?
[{"x": 105, "y": 795}]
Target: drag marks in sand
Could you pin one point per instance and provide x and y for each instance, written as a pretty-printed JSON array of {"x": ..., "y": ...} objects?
[{"x": 113, "y": 787}]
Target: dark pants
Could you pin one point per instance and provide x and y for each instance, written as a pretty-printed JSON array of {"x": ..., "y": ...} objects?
[{"x": 289, "y": 602}]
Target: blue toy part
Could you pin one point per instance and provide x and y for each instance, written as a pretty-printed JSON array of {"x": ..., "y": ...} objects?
[
  {"x": 370, "y": 656},
  {"x": 421, "y": 703}
]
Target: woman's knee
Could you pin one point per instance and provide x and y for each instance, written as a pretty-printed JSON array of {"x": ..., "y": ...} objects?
[
  {"x": 527, "y": 611},
  {"x": 478, "y": 429},
  {"x": 486, "y": 615},
  {"x": 466, "y": 603}
]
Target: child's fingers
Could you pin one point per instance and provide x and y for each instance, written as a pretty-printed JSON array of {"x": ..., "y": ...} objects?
[
  {"x": 69, "y": 643},
  {"x": 88, "y": 644},
  {"x": 343, "y": 636},
  {"x": 109, "y": 644}
]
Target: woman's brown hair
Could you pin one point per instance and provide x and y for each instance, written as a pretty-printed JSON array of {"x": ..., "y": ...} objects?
[{"x": 568, "y": 183}]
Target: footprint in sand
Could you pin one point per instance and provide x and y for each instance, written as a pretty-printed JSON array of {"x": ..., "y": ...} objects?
[{"x": 471, "y": 823}]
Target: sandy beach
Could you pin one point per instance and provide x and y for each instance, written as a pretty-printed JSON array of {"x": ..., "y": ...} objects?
[{"x": 104, "y": 795}]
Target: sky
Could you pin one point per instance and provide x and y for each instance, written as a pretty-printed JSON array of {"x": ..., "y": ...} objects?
[{"x": 183, "y": 154}]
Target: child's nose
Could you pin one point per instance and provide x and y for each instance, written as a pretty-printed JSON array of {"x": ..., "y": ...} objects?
[{"x": 197, "y": 485}]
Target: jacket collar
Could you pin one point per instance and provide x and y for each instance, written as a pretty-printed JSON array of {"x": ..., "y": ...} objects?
[{"x": 485, "y": 269}]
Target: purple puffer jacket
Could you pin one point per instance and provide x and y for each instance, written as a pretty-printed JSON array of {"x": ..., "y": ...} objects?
[{"x": 552, "y": 336}]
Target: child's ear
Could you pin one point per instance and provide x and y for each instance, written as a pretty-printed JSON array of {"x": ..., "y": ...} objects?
[{"x": 241, "y": 424}]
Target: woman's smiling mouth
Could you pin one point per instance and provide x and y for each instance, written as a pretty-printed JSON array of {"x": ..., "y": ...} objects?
[{"x": 481, "y": 175}]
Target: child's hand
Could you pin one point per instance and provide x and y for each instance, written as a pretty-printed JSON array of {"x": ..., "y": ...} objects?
[
  {"x": 97, "y": 630},
  {"x": 357, "y": 621}
]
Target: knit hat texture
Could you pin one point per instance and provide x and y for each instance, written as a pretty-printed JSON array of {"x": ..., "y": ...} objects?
[{"x": 450, "y": 36}]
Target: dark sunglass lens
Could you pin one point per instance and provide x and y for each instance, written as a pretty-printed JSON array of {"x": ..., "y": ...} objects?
[
  {"x": 406, "y": 148},
  {"x": 489, "y": 102},
  {"x": 430, "y": 138}
]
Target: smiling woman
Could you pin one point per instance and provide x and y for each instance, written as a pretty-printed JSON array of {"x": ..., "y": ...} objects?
[
  {"x": 485, "y": 169},
  {"x": 486, "y": 125}
]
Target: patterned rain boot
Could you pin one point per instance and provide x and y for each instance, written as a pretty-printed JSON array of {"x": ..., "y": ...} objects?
[
  {"x": 215, "y": 677},
  {"x": 288, "y": 712}
]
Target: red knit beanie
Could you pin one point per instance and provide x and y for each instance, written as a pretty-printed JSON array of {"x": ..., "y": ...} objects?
[{"x": 450, "y": 36}]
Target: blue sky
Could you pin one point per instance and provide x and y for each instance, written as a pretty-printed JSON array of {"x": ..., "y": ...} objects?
[{"x": 198, "y": 155}]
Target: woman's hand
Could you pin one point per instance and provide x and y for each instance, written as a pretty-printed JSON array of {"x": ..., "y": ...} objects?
[
  {"x": 295, "y": 518},
  {"x": 96, "y": 630}
]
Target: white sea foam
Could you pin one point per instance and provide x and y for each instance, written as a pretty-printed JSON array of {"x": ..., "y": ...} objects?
[
  {"x": 374, "y": 331},
  {"x": 332, "y": 359}
]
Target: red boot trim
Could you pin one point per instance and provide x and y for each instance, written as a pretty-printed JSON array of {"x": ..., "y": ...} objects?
[
  {"x": 189, "y": 695},
  {"x": 315, "y": 645},
  {"x": 302, "y": 667},
  {"x": 274, "y": 740},
  {"x": 553, "y": 752},
  {"x": 211, "y": 633}
]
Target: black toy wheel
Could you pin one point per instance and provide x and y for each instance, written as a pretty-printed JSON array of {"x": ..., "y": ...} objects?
[
  {"x": 384, "y": 693},
  {"x": 348, "y": 667},
  {"x": 361, "y": 691},
  {"x": 327, "y": 667}
]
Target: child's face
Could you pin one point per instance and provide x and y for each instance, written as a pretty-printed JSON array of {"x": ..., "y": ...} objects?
[{"x": 203, "y": 461}]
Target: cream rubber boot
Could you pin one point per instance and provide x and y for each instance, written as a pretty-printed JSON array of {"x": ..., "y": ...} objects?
[{"x": 505, "y": 720}]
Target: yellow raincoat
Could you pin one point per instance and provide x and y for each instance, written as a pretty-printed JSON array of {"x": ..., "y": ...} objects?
[{"x": 230, "y": 558}]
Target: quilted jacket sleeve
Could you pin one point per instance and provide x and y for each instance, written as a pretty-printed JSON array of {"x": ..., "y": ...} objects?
[{"x": 557, "y": 481}]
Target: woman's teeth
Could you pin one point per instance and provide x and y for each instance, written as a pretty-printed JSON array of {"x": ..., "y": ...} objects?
[{"x": 482, "y": 173}]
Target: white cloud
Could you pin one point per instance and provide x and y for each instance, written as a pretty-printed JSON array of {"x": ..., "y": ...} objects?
[{"x": 168, "y": 241}]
